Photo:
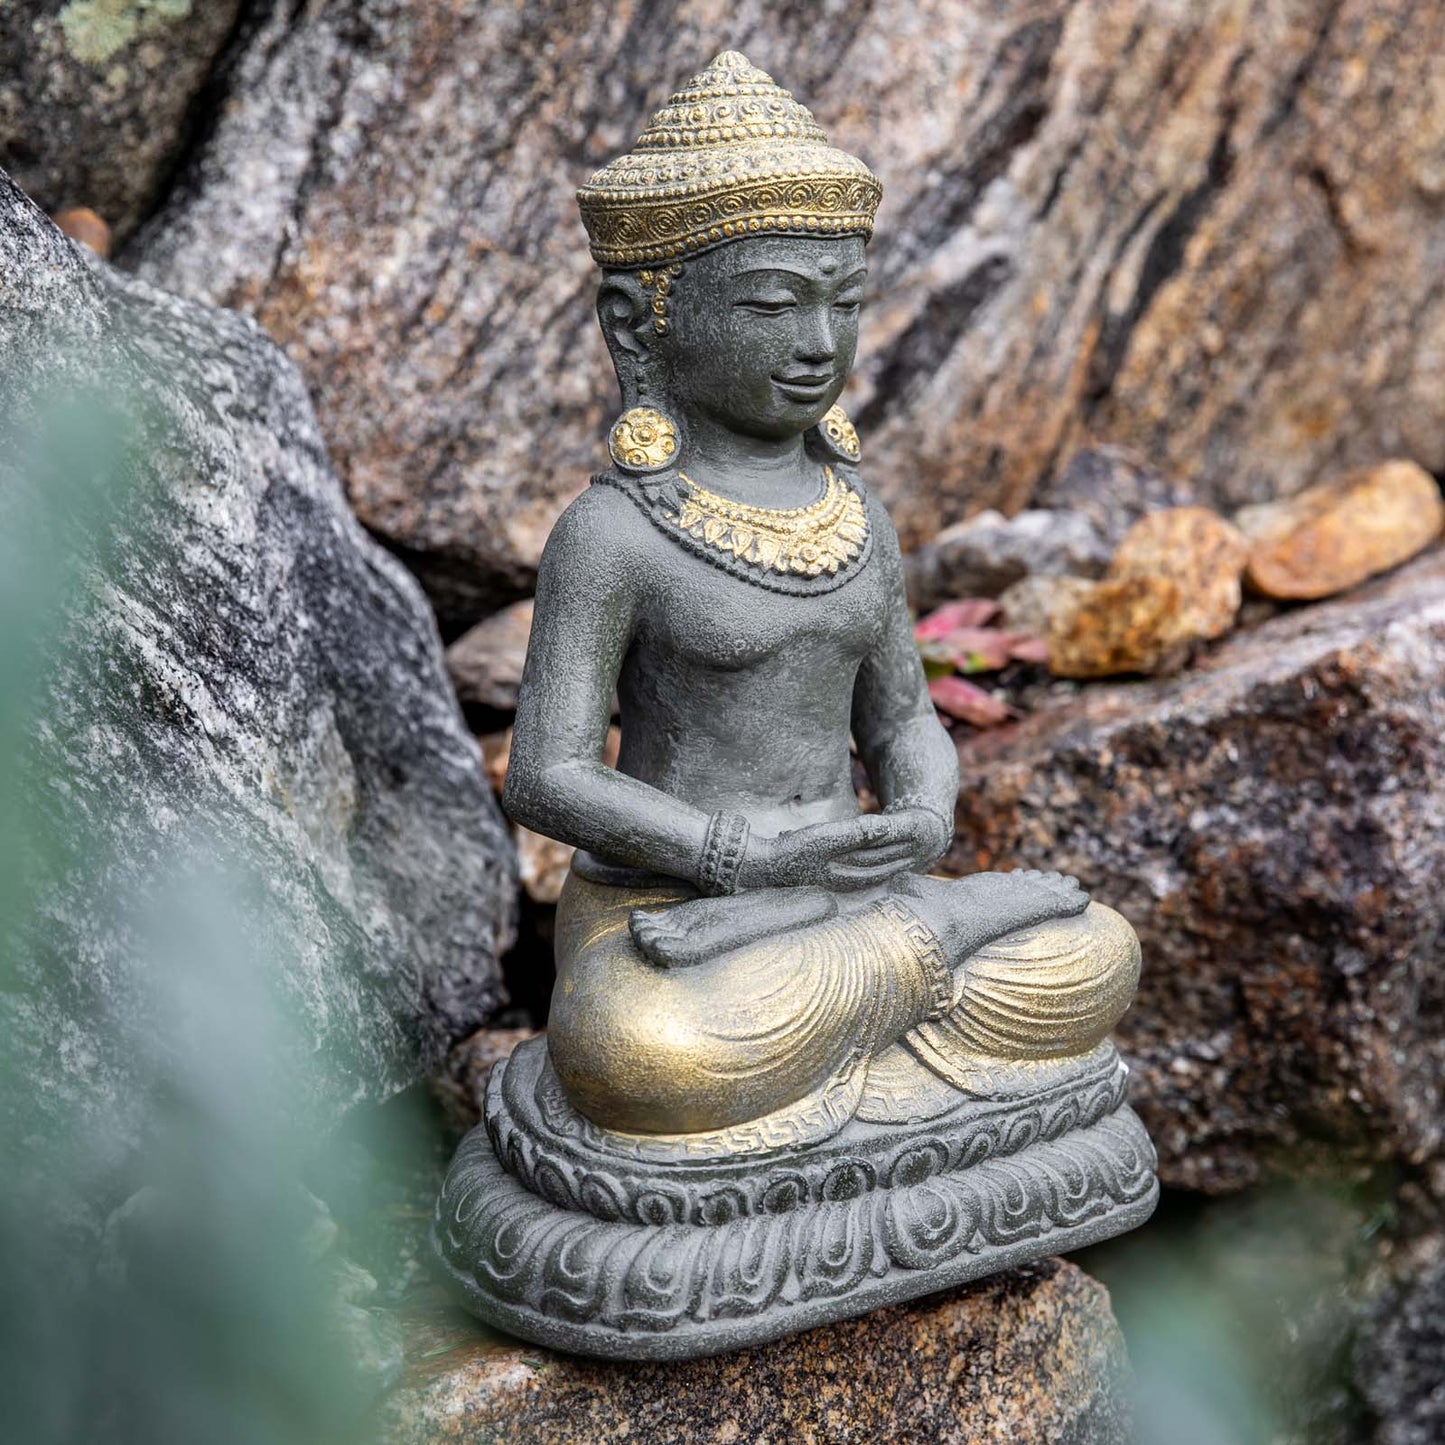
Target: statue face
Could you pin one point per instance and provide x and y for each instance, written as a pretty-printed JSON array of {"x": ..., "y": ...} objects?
[{"x": 762, "y": 332}]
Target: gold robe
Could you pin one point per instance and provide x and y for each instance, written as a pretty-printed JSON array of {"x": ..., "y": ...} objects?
[{"x": 778, "y": 1035}]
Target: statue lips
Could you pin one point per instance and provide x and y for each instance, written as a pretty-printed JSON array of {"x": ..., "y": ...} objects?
[{"x": 805, "y": 386}]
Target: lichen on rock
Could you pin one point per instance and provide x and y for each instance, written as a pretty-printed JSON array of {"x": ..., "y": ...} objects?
[{"x": 97, "y": 30}]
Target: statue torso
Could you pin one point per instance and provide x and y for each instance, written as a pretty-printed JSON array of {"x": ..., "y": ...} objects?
[{"x": 737, "y": 696}]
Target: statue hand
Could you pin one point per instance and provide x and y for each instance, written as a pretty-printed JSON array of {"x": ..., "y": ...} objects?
[
  {"x": 930, "y": 832},
  {"x": 906, "y": 840},
  {"x": 852, "y": 853}
]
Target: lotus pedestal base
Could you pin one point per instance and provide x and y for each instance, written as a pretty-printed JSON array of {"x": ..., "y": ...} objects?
[{"x": 631, "y": 1247}]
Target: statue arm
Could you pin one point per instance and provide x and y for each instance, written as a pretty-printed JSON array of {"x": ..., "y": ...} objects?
[
  {"x": 909, "y": 755},
  {"x": 556, "y": 782}
]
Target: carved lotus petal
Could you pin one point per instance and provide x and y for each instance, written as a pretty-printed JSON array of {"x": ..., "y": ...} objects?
[{"x": 769, "y": 550}]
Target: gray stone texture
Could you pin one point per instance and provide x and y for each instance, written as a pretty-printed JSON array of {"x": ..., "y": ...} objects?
[
  {"x": 1032, "y": 1356},
  {"x": 986, "y": 554},
  {"x": 1112, "y": 487},
  {"x": 1399, "y": 1358},
  {"x": 97, "y": 97},
  {"x": 245, "y": 674},
  {"x": 485, "y": 663},
  {"x": 1270, "y": 823},
  {"x": 1207, "y": 231}
]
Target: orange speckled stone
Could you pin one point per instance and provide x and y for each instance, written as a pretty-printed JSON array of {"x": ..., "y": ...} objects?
[
  {"x": 1032, "y": 1357},
  {"x": 1122, "y": 625},
  {"x": 1336, "y": 535},
  {"x": 1199, "y": 551}
]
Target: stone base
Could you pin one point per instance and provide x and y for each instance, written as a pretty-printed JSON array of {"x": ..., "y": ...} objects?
[
  {"x": 1032, "y": 1356},
  {"x": 629, "y": 1247}
]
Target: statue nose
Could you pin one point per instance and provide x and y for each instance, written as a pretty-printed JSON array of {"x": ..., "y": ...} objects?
[{"x": 816, "y": 342}]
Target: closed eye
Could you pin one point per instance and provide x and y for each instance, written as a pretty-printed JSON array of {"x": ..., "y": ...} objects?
[{"x": 766, "y": 306}]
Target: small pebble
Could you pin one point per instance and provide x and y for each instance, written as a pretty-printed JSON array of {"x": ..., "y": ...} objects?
[
  {"x": 1199, "y": 551},
  {"x": 1122, "y": 625},
  {"x": 1333, "y": 536},
  {"x": 83, "y": 225}
]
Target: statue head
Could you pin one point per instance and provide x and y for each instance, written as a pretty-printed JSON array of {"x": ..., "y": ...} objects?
[{"x": 732, "y": 244}]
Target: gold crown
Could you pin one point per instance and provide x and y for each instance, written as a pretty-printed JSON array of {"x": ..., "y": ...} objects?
[{"x": 731, "y": 154}]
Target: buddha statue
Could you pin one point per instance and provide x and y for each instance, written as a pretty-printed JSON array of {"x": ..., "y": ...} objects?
[{"x": 788, "y": 1075}]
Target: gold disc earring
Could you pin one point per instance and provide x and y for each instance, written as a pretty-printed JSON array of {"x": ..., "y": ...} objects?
[
  {"x": 643, "y": 440},
  {"x": 836, "y": 435}
]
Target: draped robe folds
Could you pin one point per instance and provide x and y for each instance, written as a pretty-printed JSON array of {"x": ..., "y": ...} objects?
[{"x": 779, "y": 1035}]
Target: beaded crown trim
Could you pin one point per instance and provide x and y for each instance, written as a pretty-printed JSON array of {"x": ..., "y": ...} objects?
[{"x": 731, "y": 154}]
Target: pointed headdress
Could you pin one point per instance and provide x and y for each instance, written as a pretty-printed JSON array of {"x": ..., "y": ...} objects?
[{"x": 731, "y": 154}]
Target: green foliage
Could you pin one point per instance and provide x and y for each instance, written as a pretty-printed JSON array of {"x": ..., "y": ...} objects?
[{"x": 1238, "y": 1313}]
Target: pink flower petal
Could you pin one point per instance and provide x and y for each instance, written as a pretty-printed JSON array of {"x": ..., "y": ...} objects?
[
  {"x": 970, "y": 612},
  {"x": 1028, "y": 649},
  {"x": 967, "y": 702}
]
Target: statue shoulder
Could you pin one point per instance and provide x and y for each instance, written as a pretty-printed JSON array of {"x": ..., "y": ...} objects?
[
  {"x": 885, "y": 535},
  {"x": 600, "y": 529}
]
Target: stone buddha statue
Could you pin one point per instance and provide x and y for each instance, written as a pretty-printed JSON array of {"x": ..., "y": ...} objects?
[{"x": 788, "y": 1075}]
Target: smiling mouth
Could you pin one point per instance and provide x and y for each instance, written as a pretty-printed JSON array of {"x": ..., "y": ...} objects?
[{"x": 806, "y": 388}]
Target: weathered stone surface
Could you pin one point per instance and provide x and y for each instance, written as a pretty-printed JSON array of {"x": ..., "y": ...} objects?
[
  {"x": 1209, "y": 231},
  {"x": 986, "y": 554},
  {"x": 94, "y": 96},
  {"x": 1270, "y": 825},
  {"x": 485, "y": 663},
  {"x": 460, "y": 1084},
  {"x": 1112, "y": 487},
  {"x": 1337, "y": 534},
  {"x": 1032, "y": 603},
  {"x": 1033, "y": 1355},
  {"x": 1399, "y": 1358},
  {"x": 1120, "y": 625},
  {"x": 1197, "y": 550},
  {"x": 242, "y": 673}
]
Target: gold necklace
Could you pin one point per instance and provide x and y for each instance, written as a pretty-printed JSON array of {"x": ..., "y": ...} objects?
[{"x": 807, "y": 541}]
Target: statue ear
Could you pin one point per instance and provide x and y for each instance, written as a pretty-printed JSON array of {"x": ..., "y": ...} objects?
[{"x": 624, "y": 311}]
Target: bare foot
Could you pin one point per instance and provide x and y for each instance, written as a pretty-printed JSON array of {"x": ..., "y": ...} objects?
[
  {"x": 969, "y": 913},
  {"x": 683, "y": 935},
  {"x": 1060, "y": 893}
]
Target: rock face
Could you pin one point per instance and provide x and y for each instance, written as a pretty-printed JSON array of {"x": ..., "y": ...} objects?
[
  {"x": 1033, "y": 1355},
  {"x": 1112, "y": 488},
  {"x": 1208, "y": 231},
  {"x": 1400, "y": 1356},
  {"x": 1335, "y": 535},
  {"x": 486, "y": 662},
  {"x": 240, "y": 671},
  {"x": 95, "y": 95},
  {"x": 1270, "y": 824}
]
